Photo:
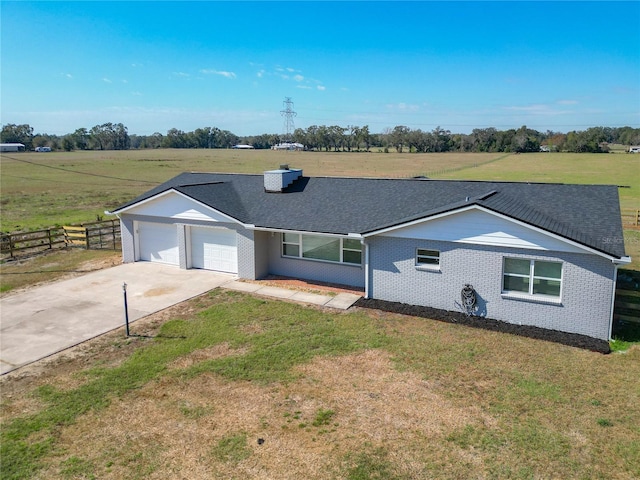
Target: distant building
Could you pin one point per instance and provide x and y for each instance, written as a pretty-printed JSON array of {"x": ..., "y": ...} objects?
[
  {"x": 243, "y": 147},
  {"x": 11, "y": 147},
  {"x": 288, "y": 146}
]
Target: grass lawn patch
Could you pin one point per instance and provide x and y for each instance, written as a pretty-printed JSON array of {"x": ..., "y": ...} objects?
[{"x": 231, "y": 386}]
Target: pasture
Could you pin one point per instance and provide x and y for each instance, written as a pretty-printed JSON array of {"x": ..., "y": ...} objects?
[{"x": 42, "y": 190}]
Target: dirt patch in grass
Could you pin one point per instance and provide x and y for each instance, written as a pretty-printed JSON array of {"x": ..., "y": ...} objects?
[
  {"x": 306, "y": 285},
  {"x": 361, "y": 399},
  {"x": 204, "y": 354},
  {"x": 571, "y": 339}
]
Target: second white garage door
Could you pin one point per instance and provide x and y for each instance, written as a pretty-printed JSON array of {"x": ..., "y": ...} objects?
[{"x": 214, "y": 249}]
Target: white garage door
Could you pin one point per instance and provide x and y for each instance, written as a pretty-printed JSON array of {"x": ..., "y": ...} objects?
[
  {"x": 158, "y": 243},
  {"x": 214, "y": 249}
]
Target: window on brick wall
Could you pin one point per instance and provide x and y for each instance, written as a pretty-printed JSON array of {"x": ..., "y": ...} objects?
[
  {"x": 532, "y": 277},
  {"x": 427, "y": 258},
  {"x": 317, "y": 247}
]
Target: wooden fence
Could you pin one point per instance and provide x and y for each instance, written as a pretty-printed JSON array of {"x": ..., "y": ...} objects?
[
  {"x": 630, "y": 217},
  {"x": 92, "y": 235},
  {"x": 627, "y": 306}
]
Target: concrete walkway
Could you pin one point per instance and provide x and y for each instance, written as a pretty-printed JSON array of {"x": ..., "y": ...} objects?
[
  {"x": 341, "y": 301},
  {"x": 45, "y": 320}
]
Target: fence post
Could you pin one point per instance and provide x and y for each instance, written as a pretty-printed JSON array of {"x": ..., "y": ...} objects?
[
  {"x": 86, "y": 234},
  {"x": 637, "y": 217},
  {"x": 49, "y": 236},
  {"x": 113, "y": 232}
]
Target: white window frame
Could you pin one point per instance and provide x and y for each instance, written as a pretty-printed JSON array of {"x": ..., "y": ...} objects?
[
  {"x": 532, "y": 277},
  {"x": 300, "y": 249},
  {"x": 421, "y": 265},
  {"x": 298, "y": 244}
]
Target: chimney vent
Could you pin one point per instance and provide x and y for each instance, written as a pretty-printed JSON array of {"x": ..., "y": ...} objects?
[{"x": 275, "y": 181}]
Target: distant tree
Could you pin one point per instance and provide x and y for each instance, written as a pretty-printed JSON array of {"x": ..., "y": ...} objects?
[
  {"x": 227, "y": 139},
  {"x": 109, "y": 136},
  {"x": 629, "y": 136},
  {"x": 399, "y": 137},
  {"x": 81, "y": 138},
  {"x": 363, "y": 137},
  {"x": 174, "y": 139},
  {"x": 525, "y": 140},
  {"x": 12, "y": 133},
  {"x": 336, "y": 137},
  {"x": 323, "y": 138},
  {"x": 484, "y": 139},
  {"x": 441, "y": 139},
  {"x": 67, "y": 143}
]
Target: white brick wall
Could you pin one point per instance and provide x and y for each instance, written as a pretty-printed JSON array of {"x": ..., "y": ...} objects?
[{"x": 585, "y": 306}]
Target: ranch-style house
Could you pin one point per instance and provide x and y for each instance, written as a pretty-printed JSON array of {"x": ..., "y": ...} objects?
[{"x": 534, "y": 253}]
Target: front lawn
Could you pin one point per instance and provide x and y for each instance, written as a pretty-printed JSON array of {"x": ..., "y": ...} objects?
[{"x": 231, "y": 386}]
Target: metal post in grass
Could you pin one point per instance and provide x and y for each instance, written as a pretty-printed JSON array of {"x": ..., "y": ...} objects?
[{"x": 126, "y": 308}]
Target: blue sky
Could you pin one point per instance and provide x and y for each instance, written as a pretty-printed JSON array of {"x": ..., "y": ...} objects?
[{"x": 460, "y": 65}]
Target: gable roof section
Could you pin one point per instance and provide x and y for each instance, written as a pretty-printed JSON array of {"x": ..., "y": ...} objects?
[{"x": 585, "y": 214}]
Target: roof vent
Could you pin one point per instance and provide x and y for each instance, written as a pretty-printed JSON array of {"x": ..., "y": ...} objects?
[{"x": 275, "y": 181}]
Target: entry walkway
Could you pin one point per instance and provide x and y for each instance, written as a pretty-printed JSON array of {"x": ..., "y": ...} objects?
[{"x": 340, "y": 301}]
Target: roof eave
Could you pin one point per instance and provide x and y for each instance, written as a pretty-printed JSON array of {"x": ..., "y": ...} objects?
[{"x": 449, "y": 211}]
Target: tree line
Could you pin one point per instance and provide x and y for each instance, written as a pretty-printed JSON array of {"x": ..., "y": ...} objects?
[{"x": 115, "y": 136}]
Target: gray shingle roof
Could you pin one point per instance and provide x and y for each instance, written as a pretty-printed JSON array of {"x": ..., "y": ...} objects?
[{"x": 587, "y": 214}]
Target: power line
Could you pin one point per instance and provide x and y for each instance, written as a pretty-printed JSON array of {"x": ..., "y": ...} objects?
[
  {"x": 79, "y": 173},
  {"x": 36, "y": 179}
]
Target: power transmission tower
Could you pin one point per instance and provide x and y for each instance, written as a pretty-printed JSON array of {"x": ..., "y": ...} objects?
[{"x": 288, "y": 115}]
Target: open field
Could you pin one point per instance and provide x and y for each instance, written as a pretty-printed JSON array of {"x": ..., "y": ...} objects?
[
  {"x": 42, "y": 190},
  {"x": 238, "y": 387}
]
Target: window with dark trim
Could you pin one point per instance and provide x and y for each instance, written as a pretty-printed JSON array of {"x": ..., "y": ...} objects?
[
  {"x": 532, "y": 277},
  {"x": 427, "y": 258},
  {"x": 322, "y": 248}
]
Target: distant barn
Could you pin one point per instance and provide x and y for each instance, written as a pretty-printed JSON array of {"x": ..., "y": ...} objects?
[{"x": 11, "y": 147}]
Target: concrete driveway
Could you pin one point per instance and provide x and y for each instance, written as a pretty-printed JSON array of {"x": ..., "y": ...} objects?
[{"x": 45, "y": 320}]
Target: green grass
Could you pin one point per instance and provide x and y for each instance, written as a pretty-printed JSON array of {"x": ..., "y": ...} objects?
[
  {"x": 71, "y": 187},
  {"x": 39, "y": 191},
  {"x": 371, "y": 463},
  {"x": 291, "y": 336},
  {"x": 232, "y": 448},
  {"x": 549, "y": 411}
]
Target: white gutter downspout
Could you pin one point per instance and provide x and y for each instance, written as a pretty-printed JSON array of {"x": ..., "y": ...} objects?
[
  {"x": 613, "y": 298},
  {"x": 366, "y": 267}
]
